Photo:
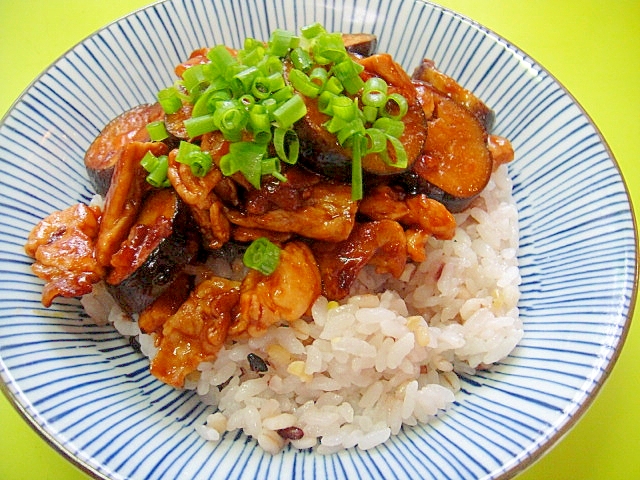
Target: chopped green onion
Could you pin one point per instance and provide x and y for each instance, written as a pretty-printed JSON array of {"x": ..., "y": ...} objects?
[
  {"x": 290, "y": 111},
  {"x": 276, "y": 81},
  {"x": 369, "y": 113},
  {"x": 263, "y": 137},
  {"x": 312, "y": 30},
  {"x": 374, "y": 92},
  {"x": 259, "y": 119},
  {"x": 271, "y": 166},
  {"x": 246, "y": 77},
  {"x": 200, "y": 163},
  {"x": 169, "y": 100},
  {"x": 247, "y": 101},
  {"x": 262, "y": 255},
  {"x": 193, "y": 76},
  {"x": 157, "y": 168},
  {"x": 190, "y": 154},
  {"x": 261, "y": 88},
  {"x": 157, "y": 131},
  {"x": 343, "y": 107},
  {"x": 329, "y": 48},
  {"x": 335, "y": 124},
  {"x": 149, "y": 161},
  {"x": 283, "y": 94},
  {"x": 352, "y": 128},
  {"x": 348, "y": 72},
  {"x": 196, "y": 126},
  {"x": 230, "y": 118},
  {"x": 395, "y": 107},
  {"x": 356, "y": 167},
  {"x": 395, "y": 128},
  {"x": 269, "y": 105},
  {"x": 270, "y": 64},
  {"x": 252, "y": 53},
  {"x": 324, "y": 101},
  {"x": 376, "y": 140},
  {"x": 303, "y": 84},
  {"x": 245, "y": 157},
  {"x": 287, "y": 145},
  {"x": 319, "y": 76},
  {"x": 334, "y": 86},
  {"x": 281, "y": 42},
  {"x": 400, "y": 160},
  {"x": 245, "y": 95},
  {"x": 205, "y": 103},
  {"x": 221, "y": 57},
  {"x": 301, "y": 59}
]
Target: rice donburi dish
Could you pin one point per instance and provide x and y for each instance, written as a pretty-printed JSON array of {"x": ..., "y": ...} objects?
[{"x": 316, "y": 241}]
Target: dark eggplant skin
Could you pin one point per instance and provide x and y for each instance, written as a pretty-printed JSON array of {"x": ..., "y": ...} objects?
[
  {"x": 413, "y": 184},
  {"x": 361, "y": 44},
  {"x": 155, "y": 253},
  {"x": 428, "y": 73},
  {"x": 320, "y": 150},
  {"x": 103, "y": 153},
  {"x": 456, "y": 163}
]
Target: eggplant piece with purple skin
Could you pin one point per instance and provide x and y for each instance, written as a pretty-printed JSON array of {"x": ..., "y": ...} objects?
[
  {"x": 361, "y": 44},
  {"x": 320, "y": 150},
  {"x": 160, "y": 243},
  {"x": 103, "y": 153},
  {"x": 456, "y": 163},
  {"x": 428, "y": 73}
]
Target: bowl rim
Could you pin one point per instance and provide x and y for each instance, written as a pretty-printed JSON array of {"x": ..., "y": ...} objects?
[{"x": 517, "y": 464}]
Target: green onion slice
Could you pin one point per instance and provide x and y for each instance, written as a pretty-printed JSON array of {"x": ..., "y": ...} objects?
[
  {"x": 290, "y": 111},
  {"x": 262, "y": 255},
  {"x": 157, "y": 168},
  {"x": 356, "y": 167},
  {"x": 287, "y": 145},
  {"x": 395, "y": 107},
  {"x": 157, "y": 131},
  {"x": 169, "y": 100}
]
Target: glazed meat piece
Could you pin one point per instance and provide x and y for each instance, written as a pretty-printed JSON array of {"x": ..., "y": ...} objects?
[
  {"x": 62, "y": 245},
  {"x": 500, "y": 149},
  {"x": 198, "y": 193},
  {"x": 285, "y": 295},
  {"x": 103, "y": 154},
  {"x": 381, "y": 243},
  {"x": 387, "y": 202},
  {"x": 124, "y": 198},
  {"x": 196, "y": 332},
  {"x": 326, "y": 212}
]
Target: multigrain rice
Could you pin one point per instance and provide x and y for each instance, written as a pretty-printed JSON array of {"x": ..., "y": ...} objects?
[{"x": 390, "y": 355}]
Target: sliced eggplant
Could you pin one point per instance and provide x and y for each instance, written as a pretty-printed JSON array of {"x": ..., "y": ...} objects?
[
  {"x": 362, "y": 44},
  {"x": 102, "y": 155},
  {"x": 320, "y": 150},
  {"x": 427, "y": 72},
  {"x": 159, "y": 245},
  {"x": 456, "y": 164}
]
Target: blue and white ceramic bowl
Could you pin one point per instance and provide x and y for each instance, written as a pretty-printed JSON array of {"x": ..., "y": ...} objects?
[{"x": 91, "y": 396}]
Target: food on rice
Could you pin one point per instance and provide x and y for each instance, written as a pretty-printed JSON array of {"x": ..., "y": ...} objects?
[{"x": 322, "y": 279}]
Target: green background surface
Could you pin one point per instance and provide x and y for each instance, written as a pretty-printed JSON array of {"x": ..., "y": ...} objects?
[{"x": 590, "y": 46}]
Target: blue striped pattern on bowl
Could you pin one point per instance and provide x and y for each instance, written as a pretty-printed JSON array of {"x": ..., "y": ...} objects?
[{"x": 91, "y": 396}]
